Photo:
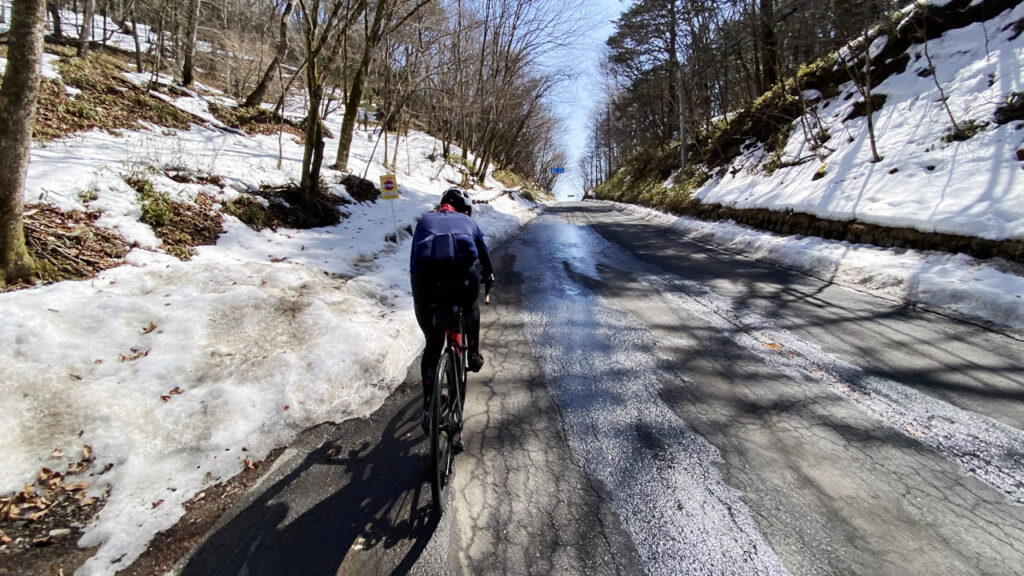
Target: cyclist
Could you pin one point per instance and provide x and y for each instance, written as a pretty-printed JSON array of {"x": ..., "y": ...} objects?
[{"x": 445, "y": 245}]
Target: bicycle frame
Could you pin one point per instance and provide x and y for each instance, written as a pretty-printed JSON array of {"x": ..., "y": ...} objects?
[
  {"x": 448, "y": 399},
  {"x": 449, "y": 395},
  {"x": 456, "y": 339}
]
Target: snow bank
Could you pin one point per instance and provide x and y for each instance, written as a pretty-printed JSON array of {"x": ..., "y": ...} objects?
[{"x": 953, "y": 282}]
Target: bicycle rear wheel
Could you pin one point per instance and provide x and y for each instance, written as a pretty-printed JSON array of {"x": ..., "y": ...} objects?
[{"x": 441, "y": 427}]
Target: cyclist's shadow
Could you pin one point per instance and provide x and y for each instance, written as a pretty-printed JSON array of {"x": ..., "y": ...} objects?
[{"x": 377, "y": 499}]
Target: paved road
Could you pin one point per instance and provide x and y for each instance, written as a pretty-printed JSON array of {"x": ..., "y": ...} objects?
[{"x": 652, "y": 405}]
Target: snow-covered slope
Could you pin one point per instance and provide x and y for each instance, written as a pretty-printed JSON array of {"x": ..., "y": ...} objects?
[{"x": 974, "y": 187}]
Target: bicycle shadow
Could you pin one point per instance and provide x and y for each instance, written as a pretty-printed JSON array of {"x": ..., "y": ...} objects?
[{"x": 359, "y": 504}]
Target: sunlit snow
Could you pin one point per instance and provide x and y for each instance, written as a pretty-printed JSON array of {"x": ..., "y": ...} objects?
[{"x": 267, "y": 333}]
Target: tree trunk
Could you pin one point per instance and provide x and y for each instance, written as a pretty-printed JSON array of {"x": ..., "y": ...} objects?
[
  {"x": 373, "y": 35},
  {"x": 159, "y": 47},
  {"x": 313, "y": 151},
  {"x": 18, "y": 97},
  {"x": 769, "y": 45},
  {"x": 257, "y": 94},
  {"x": 868, "y": 104},
  {"x": 138, "y": 46},
  {"x": 58, "y": 30},
  {"x": 190, "y": 41},
  {"x": 348, "y": 121},
  {"x": 682, "y": 123},
  {"x": 85, "y": 34}
]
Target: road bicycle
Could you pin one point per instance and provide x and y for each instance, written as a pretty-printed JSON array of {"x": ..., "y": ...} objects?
[{"x": 449, "y": 397}]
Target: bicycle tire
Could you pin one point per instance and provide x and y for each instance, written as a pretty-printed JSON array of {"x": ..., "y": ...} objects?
[{"x": 441, "y": 429}]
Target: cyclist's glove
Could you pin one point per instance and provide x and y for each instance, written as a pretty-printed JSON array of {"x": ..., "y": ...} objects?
[{"x": 489, "y": 282}]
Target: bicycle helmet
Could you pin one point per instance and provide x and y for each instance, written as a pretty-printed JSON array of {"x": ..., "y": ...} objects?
[{"x": 458, "y": 199}]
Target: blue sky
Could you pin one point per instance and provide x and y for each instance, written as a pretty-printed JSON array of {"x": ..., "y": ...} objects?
[{"x": 580, "y": 96}]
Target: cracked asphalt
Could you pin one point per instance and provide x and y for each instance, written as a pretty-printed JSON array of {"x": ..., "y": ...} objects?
[{"x": 653, "y": 405}]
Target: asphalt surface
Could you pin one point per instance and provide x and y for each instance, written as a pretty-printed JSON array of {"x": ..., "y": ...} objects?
[{"x": 652, "y": 405}]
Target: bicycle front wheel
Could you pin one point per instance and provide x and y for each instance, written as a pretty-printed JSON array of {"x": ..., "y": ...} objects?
[{"x": 441, "y": 427}]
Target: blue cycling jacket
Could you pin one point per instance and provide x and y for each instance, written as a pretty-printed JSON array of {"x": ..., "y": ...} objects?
[{"x": 447, "y": 241}]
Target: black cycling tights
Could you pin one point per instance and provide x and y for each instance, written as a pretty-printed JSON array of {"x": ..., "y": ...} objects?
[{"x": 427, "y": 293}]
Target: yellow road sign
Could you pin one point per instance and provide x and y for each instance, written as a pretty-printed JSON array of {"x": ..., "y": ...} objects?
[{"x": 389, "y": 187}]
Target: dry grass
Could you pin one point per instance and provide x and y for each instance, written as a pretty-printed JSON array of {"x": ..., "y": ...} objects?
[
  {"x": 256, "y": 120},
  {"x": 107, "y": 100}
]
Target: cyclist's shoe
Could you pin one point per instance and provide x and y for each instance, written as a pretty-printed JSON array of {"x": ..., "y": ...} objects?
[
  {"x": 476, "y": 362},
  {"x": 458, "y": 446}
]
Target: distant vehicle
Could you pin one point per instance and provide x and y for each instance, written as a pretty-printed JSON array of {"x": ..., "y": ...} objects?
[{"x": 571, "y": 196}]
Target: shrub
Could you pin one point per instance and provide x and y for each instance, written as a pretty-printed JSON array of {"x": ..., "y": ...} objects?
[
  {"x": 1011, "y": 109},
  {"x": 964, "y": 131},
  {"x": 250, "y": 211},
  {"x": 180, "y": 226},
  {"x": 157, "y": 207}
]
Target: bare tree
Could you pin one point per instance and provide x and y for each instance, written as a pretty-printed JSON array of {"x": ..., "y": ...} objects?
[
  {"x": 860, "y": 73},
  {"x": 322, "y": 27},
  {"x": 192, "y": 28},
  {"x": 58, "y": 30},
  {"x": 135, "y": 37},
  {"x": 18, "y": 96},
  {"x": 256, "y": 96},
  {"x": 959, "y": 131},
  {"x": 388, "y": 15},
  {"x": 85, "y": 34},
  {"x": 769, "y": 45}
]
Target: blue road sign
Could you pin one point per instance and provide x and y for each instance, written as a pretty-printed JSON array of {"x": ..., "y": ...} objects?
[{"x": 558, "y": 170}]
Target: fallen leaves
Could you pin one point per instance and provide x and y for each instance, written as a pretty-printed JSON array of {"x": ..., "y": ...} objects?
[
  {"x": 172, "y": 392},
  {"x": 70, "y": 243},
  {"x": 31, "y": 504},
  {"x": 135, "y": 355},
  {"x": 49, "y": 478},
  {"x": 8, "y": 509},
  {"x": 773, "y": 346},
  {"x": 149, "y": 328},
  {"x": 81, "y": 465}
]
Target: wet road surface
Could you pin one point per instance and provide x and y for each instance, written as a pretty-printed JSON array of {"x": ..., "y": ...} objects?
[
  {"x": 739, "y": 418},
  {"x": 652, "y": 405}
]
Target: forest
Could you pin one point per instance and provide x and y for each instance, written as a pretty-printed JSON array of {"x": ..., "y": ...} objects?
[
  {"x": 467, "y": 71},
  {"x": 678, "y": 70},
  {"x": 675, "y": 66}
]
